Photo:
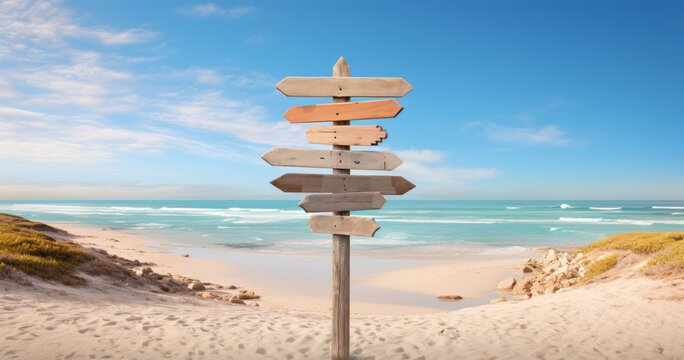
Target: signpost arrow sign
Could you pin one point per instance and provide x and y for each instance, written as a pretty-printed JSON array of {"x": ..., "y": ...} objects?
[
  {"x": 343, "y": 225},
  {"x": 342, "y": 202},
  {"x": 320, "y": 183},
  {"x": 338, "y": 159},
  {"x": 358, "y": 110},
  {"x": 359, "y": 135},
  {"x": 344, "y": 86}
]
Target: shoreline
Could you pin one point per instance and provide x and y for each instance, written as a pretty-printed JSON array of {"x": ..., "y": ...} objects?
[{"x": 290, "y": 281}]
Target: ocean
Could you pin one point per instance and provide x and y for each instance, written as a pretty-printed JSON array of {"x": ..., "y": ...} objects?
[{"x": 280, "y": 226}]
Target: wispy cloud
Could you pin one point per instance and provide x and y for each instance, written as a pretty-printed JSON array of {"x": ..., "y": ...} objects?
[
  {"x": 214, "y": 112},
  {"x": 46, "y": 23},
  {"x": 255, "y": 39},
  {"x": 550, "y": 135},
  {"x": 210, "y": 9}
]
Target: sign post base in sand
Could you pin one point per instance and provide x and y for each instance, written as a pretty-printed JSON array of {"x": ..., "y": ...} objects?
[{"x": 346, "y": 192}]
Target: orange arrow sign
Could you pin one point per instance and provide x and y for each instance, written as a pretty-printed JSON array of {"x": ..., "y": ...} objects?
[
  {"x": 344, "y": 86},
  {"x": 358, "y": 110}
]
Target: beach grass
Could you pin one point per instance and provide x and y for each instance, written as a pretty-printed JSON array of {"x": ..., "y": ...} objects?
[
  {"x": 600, "y": 266},
  {"x": 639, "y": 243},
  {"x": 25, "y": 249},
  {"x": 666, "y": 251}
]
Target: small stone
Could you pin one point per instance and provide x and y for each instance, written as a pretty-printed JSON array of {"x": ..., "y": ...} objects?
[
  {"x": 254, "y": 304},
  {"x": 196, "y": 286},
  {"x": 185, "y": 255},
  {"x": 522, "y": 297},
  {"x": 506, "y": 284},
  {"x": 527, "y": 269},
  {"x": 232, "y": 287},
  {"x": 206, "y": 295},
  {"x": 499, "y": 300},
  {"x": 449, "y": 298},
  {"x": 235, "y": 300},
  {"x": 164, "y": 287},
  {"x": 139, "y": 272},
  {"x": 147, "y": 271}
]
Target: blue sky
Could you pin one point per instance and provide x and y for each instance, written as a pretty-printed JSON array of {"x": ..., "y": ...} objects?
[{"x": 177, "y": 100}]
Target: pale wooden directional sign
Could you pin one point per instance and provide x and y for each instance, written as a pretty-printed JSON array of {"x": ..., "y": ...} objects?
[
  {"x": 344, "y": 86},
  {"x": 358, "y": 110},
  {"x": 343, "y": 225},
  {"x": 319, "y": 183},
  {"x": 339, "y": 159},
  {"x": 359, "y": 135},
  {"x": 342, "y": 202}
]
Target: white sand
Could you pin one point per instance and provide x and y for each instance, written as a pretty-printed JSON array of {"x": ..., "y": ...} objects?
[
  {"x": 613, "y": 320},
  {"x": 628, "y": 318}
]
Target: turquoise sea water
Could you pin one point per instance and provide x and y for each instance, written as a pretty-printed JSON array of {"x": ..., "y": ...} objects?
[{"x": 463, "y": 227}]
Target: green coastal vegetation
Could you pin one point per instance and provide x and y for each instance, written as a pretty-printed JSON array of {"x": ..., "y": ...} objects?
[
  {"x": 666, "y": 251},
  {"x": 24, "y": 248}
]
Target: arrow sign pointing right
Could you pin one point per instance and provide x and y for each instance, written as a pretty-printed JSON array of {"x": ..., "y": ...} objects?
[
  {"x": 358, "y": 110},
  {"x": 343, "y": 225},
  {"x": 337, "y": 159},
  {"x": 344, "y": 86},
  {"x": 319, "y": 183}
]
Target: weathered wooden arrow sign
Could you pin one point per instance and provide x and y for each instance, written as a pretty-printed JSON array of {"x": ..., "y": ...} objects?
[
  {"x": 319, "y": 183},
  {"x": 342, "y": 202},
  {"x": 344, "y": 86},
  {"x": 343, "y": 225},
  {"x": 358, "y": 110},
  {"x": 359, "y": 135},
  {"x": 338, "y": 159}
]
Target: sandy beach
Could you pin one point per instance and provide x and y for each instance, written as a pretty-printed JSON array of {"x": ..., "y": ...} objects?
[
  {"x": 303, "y": 282},
  {"x": 630, "y": 317}
]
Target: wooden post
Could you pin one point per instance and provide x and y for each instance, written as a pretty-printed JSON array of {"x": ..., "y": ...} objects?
[{"x": 340, "y": 253}]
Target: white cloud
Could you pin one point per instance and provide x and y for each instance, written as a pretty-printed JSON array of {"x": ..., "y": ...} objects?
[
  {"x": 214, "y": 112},
  {"x": 425, "y": 155},
  {"x": 549, "y": 135},
  {"x": 210, "y": 9},
  {"x": 48, "y": 24}
]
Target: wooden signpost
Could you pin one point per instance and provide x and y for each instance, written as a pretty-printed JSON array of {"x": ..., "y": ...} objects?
[
  {"x": 359, "y": 110},
  {"x": 343, "y": 192},
  {"x": 361, "y": 135},
  {"x": 343, "y": 159}
]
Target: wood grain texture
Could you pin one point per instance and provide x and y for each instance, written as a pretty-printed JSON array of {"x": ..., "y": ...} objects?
[
  {"x": 339, "y": 183},
  {"x": 344, "y": 87},
  {"x": 358, "y": 110},
  {"x": 359, "y": 135},
  {"x": 342, "y": 202},
  {"x": 343, "y": 225},
  {"x": 338, "y": 159},
  {"x": 340, "y": 257}
]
